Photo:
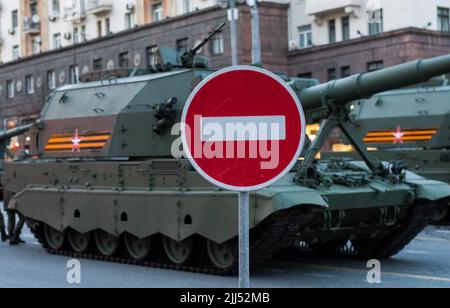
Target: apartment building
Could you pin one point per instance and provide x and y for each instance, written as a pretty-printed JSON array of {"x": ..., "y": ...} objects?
[
  {"x": 320, "y": 22},
  {"x": 10, "y": 31},
  {"x": 331, "y": 39},
  {"x": 30, "y": 27}
]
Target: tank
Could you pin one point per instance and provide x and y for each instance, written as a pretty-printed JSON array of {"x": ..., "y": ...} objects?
[
  {"x": 103, "y": 183},
  {"x": 409, "y": 125}
]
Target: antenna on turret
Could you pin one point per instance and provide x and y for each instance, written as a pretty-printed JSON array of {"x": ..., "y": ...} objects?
[{"x": 188, "y": 56}]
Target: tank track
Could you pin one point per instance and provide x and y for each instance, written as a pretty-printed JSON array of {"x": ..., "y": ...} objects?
[
  {"x": 445, "y": 221},
  {"x": 420, "y": 216},
  {"x": 276, "y": 233}
]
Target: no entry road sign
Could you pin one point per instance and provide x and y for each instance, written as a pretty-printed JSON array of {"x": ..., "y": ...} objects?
[{"x": 243, "y": 128}]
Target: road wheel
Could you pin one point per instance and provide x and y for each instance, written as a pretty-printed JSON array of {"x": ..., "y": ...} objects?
[
  {"x": 222, "y": 256},
  {"x": 80, "y": 242},
  {"x": 137, "y": 248},
  {"x": 107, "y": 244},
  {"x": 55, "y": 239},
  {"x": 178, "y": 252}
]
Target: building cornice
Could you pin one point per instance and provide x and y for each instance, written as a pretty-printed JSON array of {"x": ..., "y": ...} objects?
[{"x": 371, "y": 38}]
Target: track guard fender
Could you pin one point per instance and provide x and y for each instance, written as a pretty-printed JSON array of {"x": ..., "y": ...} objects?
[{"x": 429, "y": 189}]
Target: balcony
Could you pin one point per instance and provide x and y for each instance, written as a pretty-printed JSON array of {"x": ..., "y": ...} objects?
[
  {"x": 32, "y": 25},
  {"x": 99, "y": 7},
  {"x": 74, "y": 15},
  {"x": 318, "y": 9}
]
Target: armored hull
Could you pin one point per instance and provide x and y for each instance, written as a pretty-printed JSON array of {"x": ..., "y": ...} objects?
[{"x": 155, "y": 204}]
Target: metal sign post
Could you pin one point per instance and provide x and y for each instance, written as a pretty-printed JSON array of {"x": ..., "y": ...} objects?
[
  {"x": 233, "y": 15},
  {"x": 244, "y": 240}
]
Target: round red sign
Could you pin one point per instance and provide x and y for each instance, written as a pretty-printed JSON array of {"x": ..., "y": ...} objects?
[{"x": 243, "y": 128}]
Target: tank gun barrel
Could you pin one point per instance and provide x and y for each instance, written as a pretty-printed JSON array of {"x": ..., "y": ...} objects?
[
  {"x": 8, "y": 134},
  {"x": 365, "y": 85}
]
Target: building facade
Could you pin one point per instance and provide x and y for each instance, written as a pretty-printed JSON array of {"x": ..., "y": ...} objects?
[
  {"x": 29, "y": 27},
  {"x": 321, "y": 22},
  {"x": 368, "y": 53}
]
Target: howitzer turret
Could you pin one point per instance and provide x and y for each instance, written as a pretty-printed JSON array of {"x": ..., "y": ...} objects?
[{"x": 328, "y": 101}]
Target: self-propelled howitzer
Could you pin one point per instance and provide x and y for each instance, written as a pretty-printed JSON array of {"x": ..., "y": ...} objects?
[
  {"x": 409, "y": 125},
  {"x": 105, "y": 184}
]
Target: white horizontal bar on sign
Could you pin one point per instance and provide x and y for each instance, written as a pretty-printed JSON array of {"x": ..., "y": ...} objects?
[{"x": 252, "y": 128}]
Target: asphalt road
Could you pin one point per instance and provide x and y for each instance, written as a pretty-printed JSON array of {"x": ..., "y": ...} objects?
[{"x": 424, "y": 263}]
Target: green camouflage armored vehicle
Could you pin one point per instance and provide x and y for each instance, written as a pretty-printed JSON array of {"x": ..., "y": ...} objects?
[
  {"x": 410, "y": 125},
  {"x": 105, "y": 184}
]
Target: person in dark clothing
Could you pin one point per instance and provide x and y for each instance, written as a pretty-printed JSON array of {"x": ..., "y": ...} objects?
[
  {"x": 3, "y": 235},
  {"x": 14, "y": 230}
]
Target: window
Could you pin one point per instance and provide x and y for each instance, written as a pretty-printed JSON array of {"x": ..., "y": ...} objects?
[
  {"x": 76, "y": 35},
  {"x": 305, "y": 75},
  {"x": 217, "y": 45},
  {"x": 345, "y": 28},
  {"x": 10, "y": 89},
  {"x": 56, "y": 40},
  {"x": 98, "y": 64},
  {"x": 55, "y": 7},
  {"x": 15, "y": 19},
  {"x": 83, "y": 34},
  {"x": 129, "y": 20},
  {"x": 443, "y": 19},
  {"x": 332, "y": 31},
  {"x": 29, "y": 83},
  {"x": 375, "y": 66},
  {"x": 375, "y": 22},
  {"x": 305, "y": 36},
  {"x": 332, "y": 74},
  {"x": 124, "y": 59},
  {"x": 187, "y": 6},
  {"x": 99, "y": 28},
  {"x": 108, "y": 26},
  {"x": 51, "y": 80},
  {"x": 152, "y": 55},
  {"x": 33, "y": 8},
  {"x": 35, "y": 47},
  {"x": 16, "y": 52},
  {"x": 345, "y": 71},
  {"x": 182, "y": 45},
  {"x": 74, "y": 74},
  {"x": 157, "y": 12}
]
